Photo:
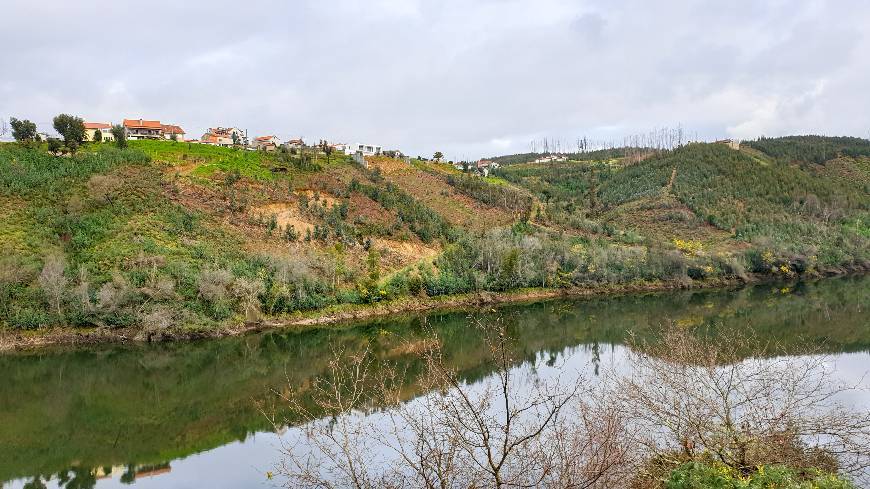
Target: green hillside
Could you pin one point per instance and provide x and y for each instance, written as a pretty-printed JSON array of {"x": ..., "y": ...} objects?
[{"x": 167, "y": 239}]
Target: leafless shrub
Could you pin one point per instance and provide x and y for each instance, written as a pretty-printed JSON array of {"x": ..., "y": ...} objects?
[
  {"x": 214, "y": 284},
  {"x": 53, "y": 280},
  {"x": 158, "y": 319},
  {"x": 104, "y": 187},
  {"x": 247, "y": 292},
  {"x": 115, "y": 294},
  {"x": 82, "y": 289},
  {"x": 458, "y": 435},
  {"x": 697, "y": 396}
]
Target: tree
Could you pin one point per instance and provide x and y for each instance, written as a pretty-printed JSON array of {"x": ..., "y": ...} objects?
[
  {"x": 24, "y": 131},
  {"x": 120, "y": 135},
  {"x": 173, "y": 137},
  {"x": 98, "y": 136},
  {"x": 236, "y": 140},
  {"x": 55, "y": 146},
  {"x": 690, "y": 395},
  {"x": 72, "y": 129},
  {"x": 438, "y": 155},
  {"x": 327, "y": 150},
  {"x": 491, "y": 435},
  {"x": 53, "y": 281}
]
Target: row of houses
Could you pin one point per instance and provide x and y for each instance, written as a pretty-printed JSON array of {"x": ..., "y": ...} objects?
[
  {"x": 135, "y": 129},
  {"x": 484, "y": 167},
  {"x": 224, "y": 136}
]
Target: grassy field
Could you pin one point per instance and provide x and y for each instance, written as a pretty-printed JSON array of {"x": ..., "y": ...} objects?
[{"x": 163, "y": 239}]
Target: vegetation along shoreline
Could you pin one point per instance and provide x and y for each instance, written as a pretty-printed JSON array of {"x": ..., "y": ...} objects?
[{"x": 350, "y": 315}]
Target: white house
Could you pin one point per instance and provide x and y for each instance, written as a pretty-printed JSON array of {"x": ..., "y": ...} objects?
[
  {"x": 550, "y": 158},
  {"x": 223, "y": 136},
  {"x": 170, "y": 131},
  {"x": 142, "y": 129},
  {"x": 267, "y": 143},
  {"x": 295, "y": 144},
  {"x": 365, "y": 149}
]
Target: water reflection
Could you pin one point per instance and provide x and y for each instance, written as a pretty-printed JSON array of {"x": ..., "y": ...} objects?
[{"x": 185, "y": 415}]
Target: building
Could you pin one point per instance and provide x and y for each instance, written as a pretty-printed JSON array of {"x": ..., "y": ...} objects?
[
  {"x": 172, "y": 132},
  {"x": 731, "y": 143},
  {"x": 104, "y": 128},
  {"x": 486, "y": 166},
  {"x": 223, "y": 136},
  {"x": 266, "y": 143},
  {"x": 294, "y": 144},
  {"x": 142, "y": 129},
  {"x": 364, "y": 149},
  {"x": 394, "y": 153},
  {"x": 550, "y": 158}
]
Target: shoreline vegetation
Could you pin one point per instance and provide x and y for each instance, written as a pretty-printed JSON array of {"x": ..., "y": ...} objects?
[
  {"x": 163, "y": 240},
  {"x": 348, "y": 315}
]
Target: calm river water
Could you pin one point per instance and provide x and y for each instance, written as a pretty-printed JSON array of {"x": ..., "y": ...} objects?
[{"x": 187, "y": 414}]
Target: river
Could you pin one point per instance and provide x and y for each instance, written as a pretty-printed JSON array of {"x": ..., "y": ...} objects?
[{"x": 191, "y": 414}]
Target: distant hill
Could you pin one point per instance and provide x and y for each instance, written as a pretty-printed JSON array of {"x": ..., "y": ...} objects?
[{"x": 170, "y": 239}]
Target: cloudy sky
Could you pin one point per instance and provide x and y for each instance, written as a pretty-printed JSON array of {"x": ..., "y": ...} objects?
[{"x": 468, "y": 77}]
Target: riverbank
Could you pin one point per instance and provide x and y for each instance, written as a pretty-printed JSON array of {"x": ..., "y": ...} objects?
[{"x": 344, "y": 315}]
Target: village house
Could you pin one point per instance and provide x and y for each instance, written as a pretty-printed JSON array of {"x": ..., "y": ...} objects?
[
  {"x": 364, "y": 149},
  {"x": 104, "y": 128},
  {"x": 172, "y": 132},
  {"x": 731, "y": 143},
  {"x": 294, "y": 144},
  {"x": 484, "y": 167},
  {"x": 550, "y": 158},
  {"x": 224, "y": 136},
  {"x": 266, "y": 143},
  {"x": 142, "y": 129}
]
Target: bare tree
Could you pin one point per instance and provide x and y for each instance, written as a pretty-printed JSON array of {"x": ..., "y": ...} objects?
[
  {"x": 489, "y": 434},
  {"x": 53, "y": 280},
  {"x": 698, "y": 396}
]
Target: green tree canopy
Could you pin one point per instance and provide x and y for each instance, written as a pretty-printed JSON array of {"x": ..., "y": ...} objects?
[
  {"x": 23, "y": 131},
  {"x": 120, "y": 135},
  {"x": 72, "y": 129}
]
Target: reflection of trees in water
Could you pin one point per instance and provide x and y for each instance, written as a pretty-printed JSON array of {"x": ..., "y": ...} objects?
[
  {"x": 204, "y": 389},
  {"x": 86, "y": 478}
]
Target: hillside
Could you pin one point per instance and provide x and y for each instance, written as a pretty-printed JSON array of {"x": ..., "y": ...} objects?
[{"x": 169, "y": 239}]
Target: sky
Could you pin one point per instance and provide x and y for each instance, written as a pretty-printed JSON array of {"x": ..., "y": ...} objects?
[{"x": 470, "y": 78}]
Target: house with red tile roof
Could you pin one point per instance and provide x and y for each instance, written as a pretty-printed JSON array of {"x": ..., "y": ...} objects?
[
  {"x": 173, "y": 132},
  {"x": 223, "y": 136},
  {"x": 143, "y": 129},
  {"x": 104, "y": 128},
  {"x": 266, "y": 143}
]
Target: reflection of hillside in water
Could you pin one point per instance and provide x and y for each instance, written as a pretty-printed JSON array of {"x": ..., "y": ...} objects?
[{"x": 141, "y": 406}]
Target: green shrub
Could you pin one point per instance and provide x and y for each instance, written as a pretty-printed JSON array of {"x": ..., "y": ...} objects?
[{"x": 696, "y": 475}]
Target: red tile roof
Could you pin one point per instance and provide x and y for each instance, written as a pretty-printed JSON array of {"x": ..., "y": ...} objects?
[
  {"x": 265, "y": 138},
  {"x": 142, "y": 124},
  {"x": 97, "y": 125},
  {"x": 170, "y": 129}
]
